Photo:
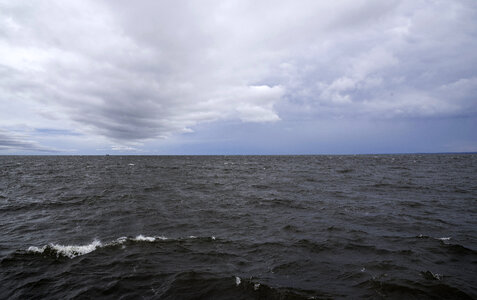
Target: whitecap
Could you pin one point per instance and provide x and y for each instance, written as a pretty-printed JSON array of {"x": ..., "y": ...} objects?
[
  {"x": 444, "y": 238},
  {"x": 145, "y": 238},
  {"x": 36, "y": 249},
  {"x": 73, "y": 251},
  {"x": 130, "y": 164},
  {"x": 432, "y": 276},
  {"x": 70, "y": 251},
  {"x": 120, "y": 240}
]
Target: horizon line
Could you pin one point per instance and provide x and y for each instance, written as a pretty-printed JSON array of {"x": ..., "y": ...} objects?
[{"x": 317, "y": 154}]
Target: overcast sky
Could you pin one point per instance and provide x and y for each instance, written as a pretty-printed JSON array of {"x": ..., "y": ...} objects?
[{"x": 237, "y": 77}]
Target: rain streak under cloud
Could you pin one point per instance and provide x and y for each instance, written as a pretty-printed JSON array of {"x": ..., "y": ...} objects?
[{"x": 211, "y": 77}]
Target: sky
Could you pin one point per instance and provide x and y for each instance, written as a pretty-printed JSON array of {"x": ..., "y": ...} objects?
[{"x": 237, "y": 77}]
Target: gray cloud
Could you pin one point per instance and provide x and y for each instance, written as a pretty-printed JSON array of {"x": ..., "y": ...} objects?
[
  {"x": 14, "y": 142},
  {"x": 131, "y": 72}
]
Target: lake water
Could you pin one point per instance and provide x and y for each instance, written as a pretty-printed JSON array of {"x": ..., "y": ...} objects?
[{"x": 238, "y": 227}]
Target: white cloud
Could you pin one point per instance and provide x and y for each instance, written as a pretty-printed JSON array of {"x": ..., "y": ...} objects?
[{"x": 132, "y": 72}]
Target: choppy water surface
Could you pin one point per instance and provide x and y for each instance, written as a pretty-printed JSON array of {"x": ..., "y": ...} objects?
[{"x": 239, "y": 227}]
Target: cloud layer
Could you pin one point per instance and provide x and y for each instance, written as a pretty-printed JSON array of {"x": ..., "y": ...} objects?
[
  {"x": 10, "y": 141},
  {"x": 131, "y": 72}
]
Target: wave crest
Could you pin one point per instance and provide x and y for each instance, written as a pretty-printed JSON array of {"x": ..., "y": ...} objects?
[{"x": 72, "y": 251}]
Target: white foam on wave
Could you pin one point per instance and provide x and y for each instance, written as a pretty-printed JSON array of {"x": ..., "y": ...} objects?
[
  {"x": 142, "y": 238},
  {"x": 444, "y": 238},
  {"x": 118, "y": 241},
  {"x": 36, "y": 249},
  {"x": 70, "y": 251},
  {"x": 432, "y": 275},
  {"x": 437, "y": 276},
  {"x": 121, "y": 240},
  {"x": 73, "y": 251}
]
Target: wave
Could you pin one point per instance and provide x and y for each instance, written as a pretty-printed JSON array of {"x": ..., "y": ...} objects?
[
  {"x": 344, "y": 171},
  {"x": 199, "y": 285},
  {"x": 456, "y": 248},
  {"x": 431, "y": 275},
  {"x": 72, "y": 251},
  {"x": 443, "y": 239},
  {"x": 401, "y": 289},
  {"x": 142, "y": 238},
  {"x": 39, "y": 203}
]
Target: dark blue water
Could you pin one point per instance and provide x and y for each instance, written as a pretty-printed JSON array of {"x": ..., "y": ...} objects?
[{"x": 239, "y": 227}]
